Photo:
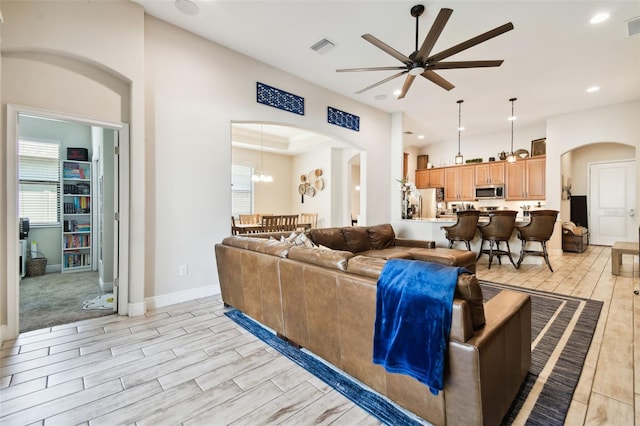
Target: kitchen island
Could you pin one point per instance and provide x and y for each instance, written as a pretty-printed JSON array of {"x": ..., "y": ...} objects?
[{"x": 429, "y": 229}]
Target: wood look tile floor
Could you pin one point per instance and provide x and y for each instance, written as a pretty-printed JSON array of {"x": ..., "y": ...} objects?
[{"x": 188, "y": 364}]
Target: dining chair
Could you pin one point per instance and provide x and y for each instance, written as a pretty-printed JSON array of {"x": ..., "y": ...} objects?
[
  {"x": 248, "y": 218},
  {"x": 270, "y": 223},
  {"x": 288, "y": 222},
  {"x": 234, "y": 230},
  {"x": 310, "y": 218},
  {"x": 539, "y": 229},
  {"x": 499, "y": 229},
  {"x": 464, "y": 229}
]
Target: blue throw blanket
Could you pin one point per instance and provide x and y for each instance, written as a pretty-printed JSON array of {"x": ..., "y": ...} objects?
[{"x": 413, "y": 319}]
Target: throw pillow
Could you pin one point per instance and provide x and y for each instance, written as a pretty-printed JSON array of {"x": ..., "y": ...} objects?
[{"x": 468, "y": 288}]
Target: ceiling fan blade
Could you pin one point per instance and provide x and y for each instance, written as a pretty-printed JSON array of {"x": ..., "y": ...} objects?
[
  {"x": 432, "y": 76},
  {"x": 434, "y": 33},
  {"x": 406, "y": 85},
  {"x": 385, "y": 47},
  {"x": 471, "y": 42},
  {"x": 371, "y": 69},
  {"x": 381, "y": 82},
  {"x": 465, "y": 64}
]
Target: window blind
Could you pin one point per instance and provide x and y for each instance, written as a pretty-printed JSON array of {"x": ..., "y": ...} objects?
[
  {"x": 241, "y": 190},
  {"x": 39, "y": 186}
]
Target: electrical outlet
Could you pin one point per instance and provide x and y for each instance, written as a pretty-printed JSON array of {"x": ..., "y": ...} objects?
[{"x": 183, "y": 270}]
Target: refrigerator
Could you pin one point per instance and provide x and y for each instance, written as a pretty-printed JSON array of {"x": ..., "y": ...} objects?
[{"x": 432, "y": 202}]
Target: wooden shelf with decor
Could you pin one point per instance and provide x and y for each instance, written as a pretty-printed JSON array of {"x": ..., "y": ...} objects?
[{"x": 76, "y": 216}]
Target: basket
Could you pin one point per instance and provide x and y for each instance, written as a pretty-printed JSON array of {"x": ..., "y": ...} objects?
[{"x": 36, "y": 265}]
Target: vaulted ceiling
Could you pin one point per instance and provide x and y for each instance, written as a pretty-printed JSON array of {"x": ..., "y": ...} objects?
[{"x": 553, "y": 55}]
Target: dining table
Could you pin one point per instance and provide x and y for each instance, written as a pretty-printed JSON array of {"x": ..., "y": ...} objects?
[{"x": 251, "y": 228}]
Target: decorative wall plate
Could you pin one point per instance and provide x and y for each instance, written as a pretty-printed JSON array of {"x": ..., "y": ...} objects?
[
  {"x": 319, "y": 184},
  {"x": 311, "y": 177},
  {"x": 311, "y": 191},
  {"x": 318, "y": 172},
  {"x": 522, "y": 153},
  {"x": 303, "y": 178},
  {"x": 302, "y": 189}
]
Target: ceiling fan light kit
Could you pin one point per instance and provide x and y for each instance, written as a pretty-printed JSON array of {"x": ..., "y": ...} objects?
[{"x": 421, "y": 62}]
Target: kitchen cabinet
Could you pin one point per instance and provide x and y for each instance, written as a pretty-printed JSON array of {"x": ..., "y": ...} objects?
[
  {"x": 430, "y": 178},
  {"x": 491, "y": 173},
  {"x": 459, "y": 183},
  {"x": 525, "y": 179}
]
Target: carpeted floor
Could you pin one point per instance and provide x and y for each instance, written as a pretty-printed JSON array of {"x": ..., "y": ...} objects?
[
  {"x": 54, "y": 299},
  {"x": 562, "y": 329}
]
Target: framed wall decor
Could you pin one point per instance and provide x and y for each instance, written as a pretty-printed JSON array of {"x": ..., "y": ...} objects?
[{"x": 538, "y": 147}]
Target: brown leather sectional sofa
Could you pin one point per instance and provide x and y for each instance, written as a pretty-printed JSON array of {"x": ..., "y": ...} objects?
[{"x": 324, "y": 299}]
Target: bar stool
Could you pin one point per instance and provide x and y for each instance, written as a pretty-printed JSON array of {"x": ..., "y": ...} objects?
[
  {"x": 464, "y": 229},
  {"x": 499, "y": 229},
  {"x": 539, "y": 229}
]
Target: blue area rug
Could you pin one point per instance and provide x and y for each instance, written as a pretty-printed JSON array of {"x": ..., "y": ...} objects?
[{"x": 561, "y": 324}]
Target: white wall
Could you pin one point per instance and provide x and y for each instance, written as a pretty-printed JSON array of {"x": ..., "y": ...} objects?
[
  {"x": 490, "y": 145},
  {"x": 273, "y": 197},
  {"x": 322, "y": 200},
  {"x": 195, "y": 89}
]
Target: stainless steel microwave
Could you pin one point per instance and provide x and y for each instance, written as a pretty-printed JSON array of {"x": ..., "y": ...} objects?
[{"x": 489, "y": 192}]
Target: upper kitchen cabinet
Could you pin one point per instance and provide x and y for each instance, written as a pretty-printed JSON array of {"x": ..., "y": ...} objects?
[
  {"x": 430, "y": 178},
  {"x": 459, "y": 183},
  {"x": 491, "y": 173},
  {"x": 526, "y": 179}
]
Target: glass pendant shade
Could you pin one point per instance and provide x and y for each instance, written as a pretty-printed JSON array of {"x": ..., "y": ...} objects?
[
  {"x": 261, "y": 175},
  {"x": 511, "y": 158},
  {"x": 458, "y": 158}
]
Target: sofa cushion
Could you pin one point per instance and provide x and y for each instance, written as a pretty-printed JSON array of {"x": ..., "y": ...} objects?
[
  {"x": 388, "y": 253},
  {"x": 335, "y": 259},
  {"x": 381, "y": 236},
  {"x": 468, "y": 288},
  {"x": 357, "y": 238},
  {"x": 367, "y": 266},
  {"x": 444, "y": 256},
  {"x": 261, "y": 245},
  {"x": 328, "y": 237}
]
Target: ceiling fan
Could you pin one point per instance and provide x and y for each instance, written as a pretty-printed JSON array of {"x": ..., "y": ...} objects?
[{"x": 420, "y": 63}]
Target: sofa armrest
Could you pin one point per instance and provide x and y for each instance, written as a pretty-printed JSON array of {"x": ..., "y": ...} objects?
[{"x": 406, "y": 242}]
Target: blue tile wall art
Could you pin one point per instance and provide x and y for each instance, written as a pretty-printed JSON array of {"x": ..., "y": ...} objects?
[
  {"x": 343, "y": 119},
  {"x": 280, "y": 99}
]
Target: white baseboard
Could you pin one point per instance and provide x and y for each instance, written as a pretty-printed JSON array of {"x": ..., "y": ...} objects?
[
  {"x": 181, "y": 296},
  {"x": 53, "y": 268},
  {"x": 105, "y": 287},
  {"x": 3, "y": 334},
  {"x": 137, "y": 309}
]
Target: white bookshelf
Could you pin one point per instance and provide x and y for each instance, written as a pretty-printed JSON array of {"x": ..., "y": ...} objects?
[{"x": 76, "y": 216}]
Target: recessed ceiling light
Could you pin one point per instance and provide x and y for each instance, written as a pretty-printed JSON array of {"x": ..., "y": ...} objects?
[
  {"x": 513, "y": 118},
  {"x": 420, "y": 136},
  {"x": 397, "y": 92},
  {"x": 461, "y": 128},
  {"x": 380, "y": 97},
  {"x": 187, "y": 7},
  {"x": 599, "y": 17},
  {"x": 593, "y": 89}
]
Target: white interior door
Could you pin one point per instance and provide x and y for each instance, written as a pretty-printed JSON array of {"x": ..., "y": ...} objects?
[{"x": 612, "y": 202}]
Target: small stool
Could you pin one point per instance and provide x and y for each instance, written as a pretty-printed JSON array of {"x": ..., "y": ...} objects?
[{"x": 617, "y": 250}]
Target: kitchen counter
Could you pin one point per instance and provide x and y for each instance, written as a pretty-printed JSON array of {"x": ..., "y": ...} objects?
[{"x": 428, "y": 228}]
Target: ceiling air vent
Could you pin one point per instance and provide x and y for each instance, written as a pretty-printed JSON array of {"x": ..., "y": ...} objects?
[
  {"x": 323, "y": 46},
  {"x": 633, "y": 26}
]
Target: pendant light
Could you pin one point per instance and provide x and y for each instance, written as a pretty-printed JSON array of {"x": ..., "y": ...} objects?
[
  {"x": 459, "y": 158},
  {"x": 261, "y": 175},
  {"x": 511, "y": 158}
]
